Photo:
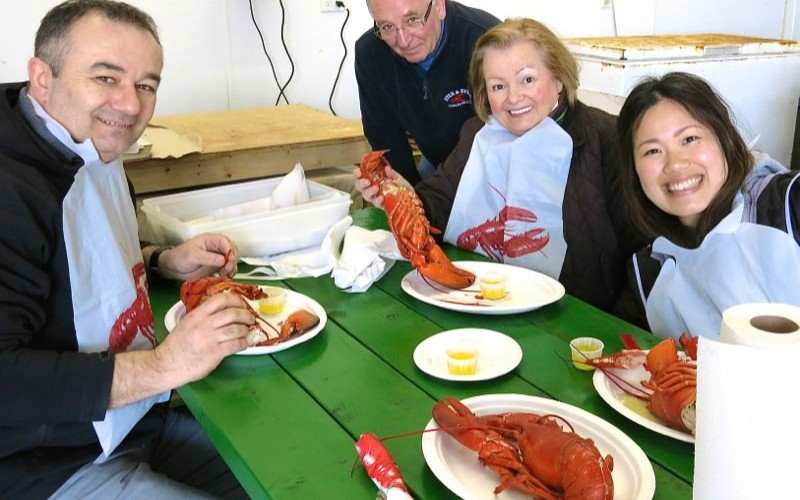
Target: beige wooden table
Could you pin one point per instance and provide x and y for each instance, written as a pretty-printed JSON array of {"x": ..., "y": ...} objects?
[{"x": 250, "y": 144}]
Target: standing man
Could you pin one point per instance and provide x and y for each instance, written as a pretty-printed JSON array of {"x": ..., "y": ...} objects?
[
  {"x": 83, "y": 383},
  {"x": 412, "y": 72}
]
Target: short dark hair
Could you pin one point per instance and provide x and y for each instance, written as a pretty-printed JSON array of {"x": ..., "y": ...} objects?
[
  {"x": 703, "y": 103},
  {"x": 51, "y": 38},
  {"x": 556, "y": 56}
]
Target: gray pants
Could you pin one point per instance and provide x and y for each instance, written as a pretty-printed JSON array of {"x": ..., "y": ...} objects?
[{"x": 181, "y": 463}]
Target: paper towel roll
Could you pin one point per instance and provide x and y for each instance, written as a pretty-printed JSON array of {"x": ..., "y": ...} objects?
[
  {"x": 761, "y": 325},
  {"x": 748, "y": 415}
]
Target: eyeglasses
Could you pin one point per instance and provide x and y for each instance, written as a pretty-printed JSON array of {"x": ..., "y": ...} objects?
[{"x": 412, "y": 24}]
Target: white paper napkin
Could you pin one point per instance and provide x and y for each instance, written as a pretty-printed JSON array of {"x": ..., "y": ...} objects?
[
  {"x": 292, "y": 189},
  {"x": 305, "y": 262},
  {"x": 366, "y": 257}
]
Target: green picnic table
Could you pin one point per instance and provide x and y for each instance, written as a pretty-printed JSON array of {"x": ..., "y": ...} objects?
[{"x": 286, "y": 422}]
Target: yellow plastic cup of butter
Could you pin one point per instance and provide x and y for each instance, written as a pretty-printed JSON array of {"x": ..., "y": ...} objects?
[
  {"x": 462, "y": 360},
  {"x": 275, "y": 301},
  {"x": 584, "y": 348},
  {"x": 493, "y": 286}
]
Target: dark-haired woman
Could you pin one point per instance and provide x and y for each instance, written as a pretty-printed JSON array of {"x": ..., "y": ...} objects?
[{"x": 724, "y": 220}]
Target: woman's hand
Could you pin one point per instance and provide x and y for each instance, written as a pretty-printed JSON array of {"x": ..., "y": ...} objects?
[{"x": 370, "y": 192}]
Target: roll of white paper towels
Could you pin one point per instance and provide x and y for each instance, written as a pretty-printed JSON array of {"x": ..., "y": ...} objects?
[{"x": 748, "y": 412}]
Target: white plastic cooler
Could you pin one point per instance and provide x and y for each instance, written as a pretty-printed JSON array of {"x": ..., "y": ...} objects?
[{"x": 759, "y": 78}]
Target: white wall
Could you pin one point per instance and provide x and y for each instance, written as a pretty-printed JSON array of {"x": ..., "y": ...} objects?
[{"x": 214, "y": 58}]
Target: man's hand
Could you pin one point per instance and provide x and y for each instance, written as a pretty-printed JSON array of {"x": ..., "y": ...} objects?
[
  {"x": 211, "y": 332},
  {"x": 201, "y": 256},
  {"x": 214, "y": 330}
]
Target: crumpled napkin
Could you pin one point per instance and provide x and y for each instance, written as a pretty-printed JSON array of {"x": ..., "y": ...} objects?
[
  {"x": 366, "y": 257},
  {"x": 291, "y": 190},
  {"x": 314, "y": 261}
]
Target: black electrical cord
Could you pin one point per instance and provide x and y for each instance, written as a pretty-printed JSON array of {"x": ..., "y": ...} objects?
[
  {"x": 288, "y": 56},
  {"x": 266, "y": 53},
  {"x": 339, "y": 72}
]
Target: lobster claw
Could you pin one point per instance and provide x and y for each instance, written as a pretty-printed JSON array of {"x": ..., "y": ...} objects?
[
  {"x": 297, "y": 323},
  {"x": 453, "y": 416},
  {"x": 438, "y": 268}
]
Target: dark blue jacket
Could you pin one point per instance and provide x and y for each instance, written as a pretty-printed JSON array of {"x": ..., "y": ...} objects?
[{"x": 397, "y": 99}]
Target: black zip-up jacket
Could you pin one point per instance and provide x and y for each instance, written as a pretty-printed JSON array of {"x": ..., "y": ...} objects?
[
  {"x": 397, "y": 99},
  {"x": 50, "y": 392}
]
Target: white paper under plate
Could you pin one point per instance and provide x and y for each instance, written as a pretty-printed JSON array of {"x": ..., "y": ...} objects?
[
  {"x": 498, "y": 354},
  {"x": 294, "y": 302},
  {"x": 526, "y": 290},
  {"x": 457, "y": 467},
  {"x": 633, "y": 408}
]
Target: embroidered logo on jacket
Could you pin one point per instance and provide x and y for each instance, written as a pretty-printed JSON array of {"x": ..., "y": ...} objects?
[{"x": 458, "y": 98}]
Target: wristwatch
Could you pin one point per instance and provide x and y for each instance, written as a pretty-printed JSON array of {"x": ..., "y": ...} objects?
[{"x": 152, "y": 262}]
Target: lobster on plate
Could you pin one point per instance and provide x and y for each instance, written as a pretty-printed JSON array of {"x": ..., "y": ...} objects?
[
  {"x": 262, "y": 332},
  {"x": 530, "y": 452},
  {"x": 671, "y": 391},
  {"x": 411, "y": 228}
]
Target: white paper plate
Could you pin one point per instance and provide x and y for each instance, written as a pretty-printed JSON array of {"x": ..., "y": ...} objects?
[
  {"x": 458, "y": 468},
  {"x": 294, "y": 302},
  {"x": 527, "y": 290},
  {"x": 633, "y": 408},
  {"x": 498, "y": 354}
]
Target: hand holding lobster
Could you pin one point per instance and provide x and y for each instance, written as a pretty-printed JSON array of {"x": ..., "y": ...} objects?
[
  {"x": 408, "y": 223},
  {"x": 201, "y": 256},
  {"x": 203, "y": 338},
  {"x": 261, "y": 332},
  {"x": 371, "y": 192}
]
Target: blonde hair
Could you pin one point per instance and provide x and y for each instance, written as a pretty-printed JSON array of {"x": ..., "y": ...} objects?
[{"x": 555, "y": 55}]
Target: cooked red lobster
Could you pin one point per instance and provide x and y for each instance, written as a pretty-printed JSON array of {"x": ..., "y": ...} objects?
[
  {"x": 411, "y": 228},
  {"x": 195, "y": 292},
  {"x": 532, "y": 453},
  {"x": 671, "y": 391}
]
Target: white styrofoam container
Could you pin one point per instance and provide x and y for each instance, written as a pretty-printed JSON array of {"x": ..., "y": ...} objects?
[
  {"x": 759, "y": 78},
  {"x": 267, "y": 232}
]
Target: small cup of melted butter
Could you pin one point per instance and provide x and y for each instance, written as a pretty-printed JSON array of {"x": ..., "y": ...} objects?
[
  {"x": 493, "y": 286},
  {"x": 462, "y": 359},
  {"x": 584, "y": 348},
  {"x": 273, "y": 304}
]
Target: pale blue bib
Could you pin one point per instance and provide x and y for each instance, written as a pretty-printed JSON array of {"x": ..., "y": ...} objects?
[
  {"x": 738, "y": 262},
  {"x": 521, "y": 178}
]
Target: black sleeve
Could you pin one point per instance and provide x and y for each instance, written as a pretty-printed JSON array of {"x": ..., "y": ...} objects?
[{"x": 778, "y": 204}]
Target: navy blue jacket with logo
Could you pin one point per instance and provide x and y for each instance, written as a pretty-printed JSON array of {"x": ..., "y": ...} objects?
[{"x": 398, "y": 99}]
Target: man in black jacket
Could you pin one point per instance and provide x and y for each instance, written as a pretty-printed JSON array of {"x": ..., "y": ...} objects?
[
  {"x": 411, "y": 69},
  {"x": 84, "y": 384}
]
